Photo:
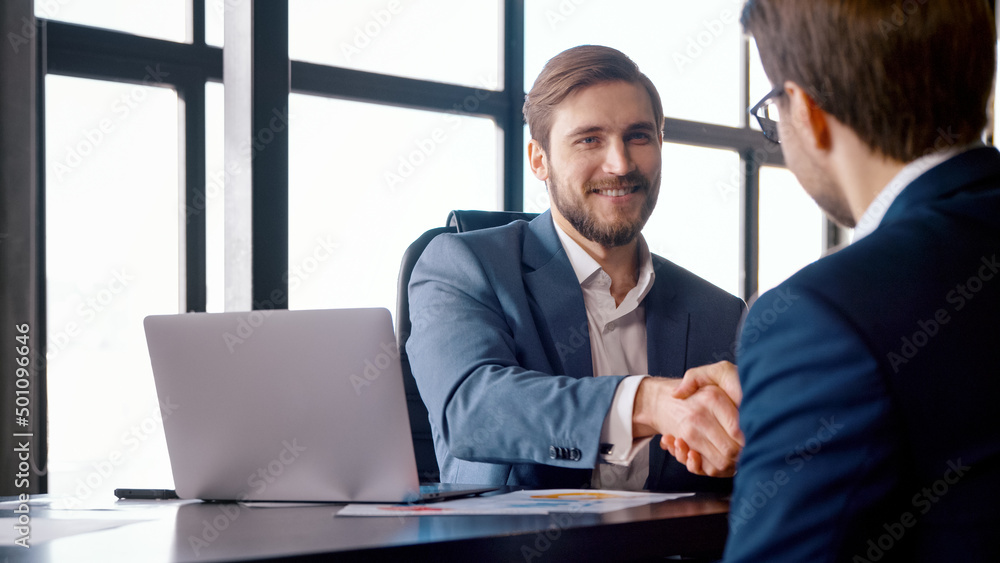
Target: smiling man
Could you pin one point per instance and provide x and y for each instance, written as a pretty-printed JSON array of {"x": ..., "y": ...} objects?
[{"x": 547, "y": 352}]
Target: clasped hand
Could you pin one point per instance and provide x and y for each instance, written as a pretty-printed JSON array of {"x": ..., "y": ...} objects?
[{"x": 697, "y": 416}]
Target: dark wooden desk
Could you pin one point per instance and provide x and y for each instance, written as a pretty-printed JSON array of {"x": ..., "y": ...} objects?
[{"x": 232, "y": 532}]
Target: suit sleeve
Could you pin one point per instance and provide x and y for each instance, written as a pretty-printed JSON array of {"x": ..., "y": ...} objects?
[
  {"x": 485, "y": 405},
  {"x": 816, "y": 416}
]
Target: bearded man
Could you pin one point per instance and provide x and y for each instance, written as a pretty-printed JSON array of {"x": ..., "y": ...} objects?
[{"x": 548, "y": 351}]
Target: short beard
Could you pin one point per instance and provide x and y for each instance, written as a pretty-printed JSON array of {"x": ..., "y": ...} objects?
[{"x": 618, "y": 233}]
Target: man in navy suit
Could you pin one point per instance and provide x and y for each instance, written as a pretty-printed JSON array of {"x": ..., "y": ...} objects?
[
  {"x": 546, "y": 352},
  {"x": 869, "y": 378}
]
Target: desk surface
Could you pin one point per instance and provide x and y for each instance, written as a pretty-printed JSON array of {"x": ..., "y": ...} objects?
[{"x": 179, "y": 531}]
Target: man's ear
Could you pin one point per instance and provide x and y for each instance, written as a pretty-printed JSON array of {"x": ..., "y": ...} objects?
[
  {"x": 807, "y": 116},
  {"x": 538, "y": 161}
]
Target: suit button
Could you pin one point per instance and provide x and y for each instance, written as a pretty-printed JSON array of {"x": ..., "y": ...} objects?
[
  {"x": 575, "y": 454},
  {"x": 552, "y": 452}
]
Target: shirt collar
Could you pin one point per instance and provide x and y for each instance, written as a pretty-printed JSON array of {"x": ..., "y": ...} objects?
[
  {"x": 880, "y": 205},
  {"x": 585, "y": 267}
]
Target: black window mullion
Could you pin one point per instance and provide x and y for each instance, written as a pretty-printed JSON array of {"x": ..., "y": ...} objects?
[
  {"x": 197, "y": 22},
  {"x": 512, "y": 123},
  {"x": 23, "y": 429},
  {"x": 192, "y": 139},
  {"x": 750, "y": 224},
  {"x": 101, "y": 54}
]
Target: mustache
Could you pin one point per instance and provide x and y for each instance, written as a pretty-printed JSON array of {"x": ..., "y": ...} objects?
[{"x": 633, "y": 178}]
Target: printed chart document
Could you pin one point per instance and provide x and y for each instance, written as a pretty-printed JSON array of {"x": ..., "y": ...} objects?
[{"x": 520, "y": 502}]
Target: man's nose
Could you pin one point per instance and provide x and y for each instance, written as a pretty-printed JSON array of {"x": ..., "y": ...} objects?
[{"x": 617, "y": 160}]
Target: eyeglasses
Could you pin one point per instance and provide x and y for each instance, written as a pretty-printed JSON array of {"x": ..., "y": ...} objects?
[{"x": 766, "y": 113}]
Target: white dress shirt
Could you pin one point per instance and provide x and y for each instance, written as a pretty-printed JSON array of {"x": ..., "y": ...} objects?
[{"x": 618, "y": 347}]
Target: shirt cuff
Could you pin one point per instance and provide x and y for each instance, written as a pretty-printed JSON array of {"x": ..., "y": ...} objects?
[{"x": 617, "y": 445}]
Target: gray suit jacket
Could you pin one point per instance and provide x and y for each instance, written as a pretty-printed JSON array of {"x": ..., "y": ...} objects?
[{"x": 500, "y": 350}]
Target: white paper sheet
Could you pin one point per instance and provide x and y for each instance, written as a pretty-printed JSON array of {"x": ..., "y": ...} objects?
[{"x": 520, "y": 502}]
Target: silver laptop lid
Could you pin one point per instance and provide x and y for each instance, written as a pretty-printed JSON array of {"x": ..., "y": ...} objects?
[{"x": 284, "y": 405}]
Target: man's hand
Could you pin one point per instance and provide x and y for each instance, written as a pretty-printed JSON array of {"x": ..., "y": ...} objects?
[
  {"x": 720, "y": 374},
  {"x": 703, "y": 427}
]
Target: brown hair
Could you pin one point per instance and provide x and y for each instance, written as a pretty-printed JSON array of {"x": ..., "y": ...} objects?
[
  {"x": 907, "y": 76},
  {"x": 577, "y": 68}
]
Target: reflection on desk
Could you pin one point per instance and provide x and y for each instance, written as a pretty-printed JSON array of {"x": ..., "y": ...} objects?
[{"x": 196, "y": 531}]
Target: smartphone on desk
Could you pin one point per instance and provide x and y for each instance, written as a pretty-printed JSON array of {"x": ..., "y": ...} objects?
[{"x": 146, "y": 494}]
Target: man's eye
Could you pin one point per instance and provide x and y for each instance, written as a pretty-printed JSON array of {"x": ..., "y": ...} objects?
[
  {"x": 638, "y": 137},
  {"x": 588, "y": 140}
]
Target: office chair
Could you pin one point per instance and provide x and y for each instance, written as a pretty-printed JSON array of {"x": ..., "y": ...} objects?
[{"x": 458, "y": 222}]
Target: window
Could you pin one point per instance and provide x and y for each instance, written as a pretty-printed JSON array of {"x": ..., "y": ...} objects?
[
  {"x": 112, "y": 230},
  {"x": 365, "y": 181},
  {"x": 451, "y": 41},
  {"x": 696, "y": 223},
  {"x": 163, "y": 19},
  {"x": 690, "y": 50},
  {"x": 791, "y": 227}
]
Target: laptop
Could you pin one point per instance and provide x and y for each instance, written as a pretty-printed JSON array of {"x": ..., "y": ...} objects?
[{"x": 279, "y": 405}]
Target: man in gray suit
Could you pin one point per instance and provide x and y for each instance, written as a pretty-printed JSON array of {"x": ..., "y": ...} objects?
[{"x": 547, "y": 352}]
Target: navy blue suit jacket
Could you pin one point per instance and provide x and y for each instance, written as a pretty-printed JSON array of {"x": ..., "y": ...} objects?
[
  {"x": 870, "y": 383},
  {"x": 500, "y": 350}
]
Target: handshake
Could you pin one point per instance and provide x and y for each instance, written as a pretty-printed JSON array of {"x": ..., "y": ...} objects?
[{"x": 698, "y": 417}]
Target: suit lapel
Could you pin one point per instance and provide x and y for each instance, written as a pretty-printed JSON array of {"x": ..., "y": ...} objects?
[
  {"x": 666, "y": 350},
  {"x": 666, "y": 329},
  {"x": 556, "y": 297}
]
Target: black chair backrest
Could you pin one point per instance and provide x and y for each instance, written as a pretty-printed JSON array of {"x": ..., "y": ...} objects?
[
  {"x": 420, "y": 427},
  {"x": 473, "y": 220}
]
